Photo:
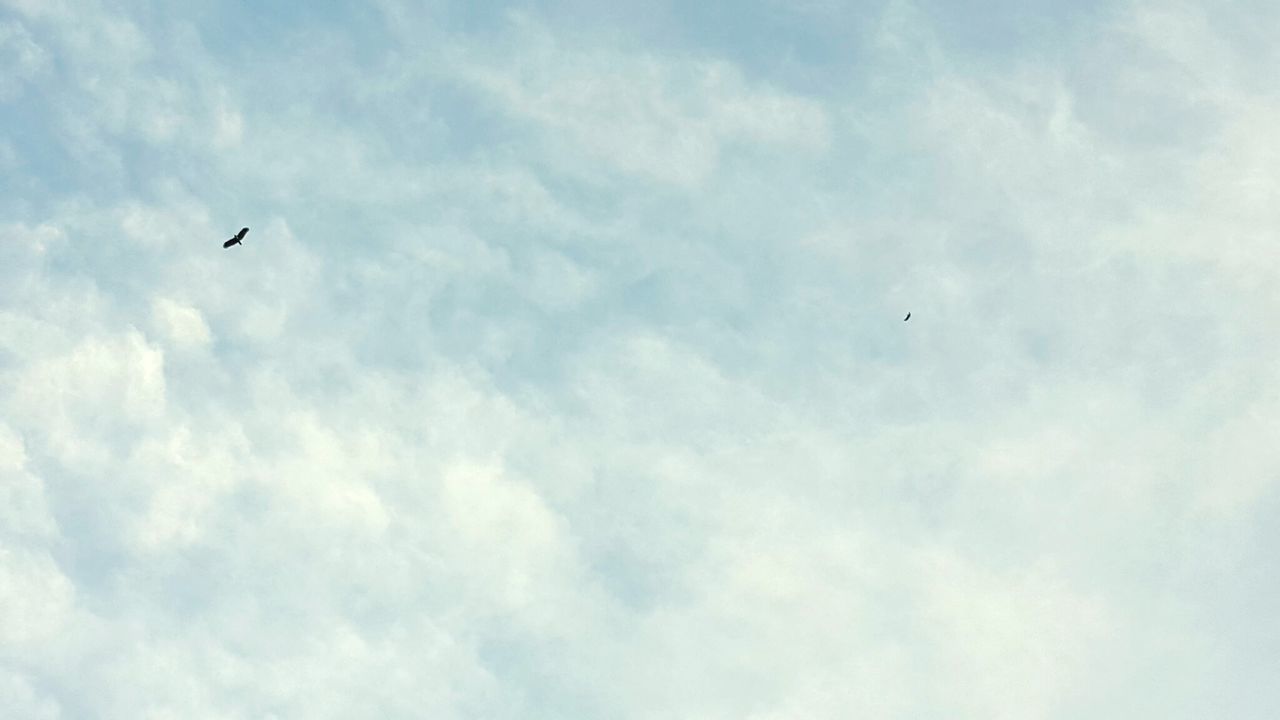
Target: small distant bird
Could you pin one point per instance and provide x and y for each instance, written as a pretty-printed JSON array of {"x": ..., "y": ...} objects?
[
  {"x": 908, "y": 317},
  {"x": 236, "y": 240}
]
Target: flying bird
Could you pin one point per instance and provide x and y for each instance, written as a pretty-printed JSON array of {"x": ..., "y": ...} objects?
[
  {"x": 908, "y": 317},
  {"x": 236, "y": 240}
]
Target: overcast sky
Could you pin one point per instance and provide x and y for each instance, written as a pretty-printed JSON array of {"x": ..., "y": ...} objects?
[{"x": 562, "y": 374}]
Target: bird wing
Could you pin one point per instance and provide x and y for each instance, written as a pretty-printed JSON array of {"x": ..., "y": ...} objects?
[
  {"x": 229, "y": 243},
  {"x": 908, "y": 317},
  {"x": 243, "y": 231}
]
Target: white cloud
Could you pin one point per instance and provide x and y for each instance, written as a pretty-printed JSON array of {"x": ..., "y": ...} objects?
[
  {"x": 565, "y": 377},
  {"x": 181, "y": 324},
  {"x": 229, "y": 128},
  {"x": 1012, "y": 647},
  {"x": 25, "y": 512},
  {"x": 38, "y": 602},
  {"x": 666, "y": 120},
  {"x": 31, "y": 241},
  {"x": 73, "y": 402},
  {"x": 23, "y": 59},
  {"x": 510, "y": 541},
  {"x": 558, "y": 283},
  {"x": 21, "y": 699}
]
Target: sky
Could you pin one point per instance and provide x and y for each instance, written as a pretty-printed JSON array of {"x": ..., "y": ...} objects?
[{"x": 562, "y": 373}]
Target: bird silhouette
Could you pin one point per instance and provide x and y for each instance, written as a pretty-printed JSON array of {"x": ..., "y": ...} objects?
[
  {"x": 908, "y": 317},
  {"x": 236, "y": 240}
]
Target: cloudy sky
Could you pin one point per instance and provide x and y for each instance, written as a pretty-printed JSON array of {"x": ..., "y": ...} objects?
[{"x": 563, "y": 374}]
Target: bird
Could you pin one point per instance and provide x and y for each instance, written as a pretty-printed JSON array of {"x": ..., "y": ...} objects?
[
  {"x": 236, "y": 240},
  {"x": 908, "y": 317}
]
